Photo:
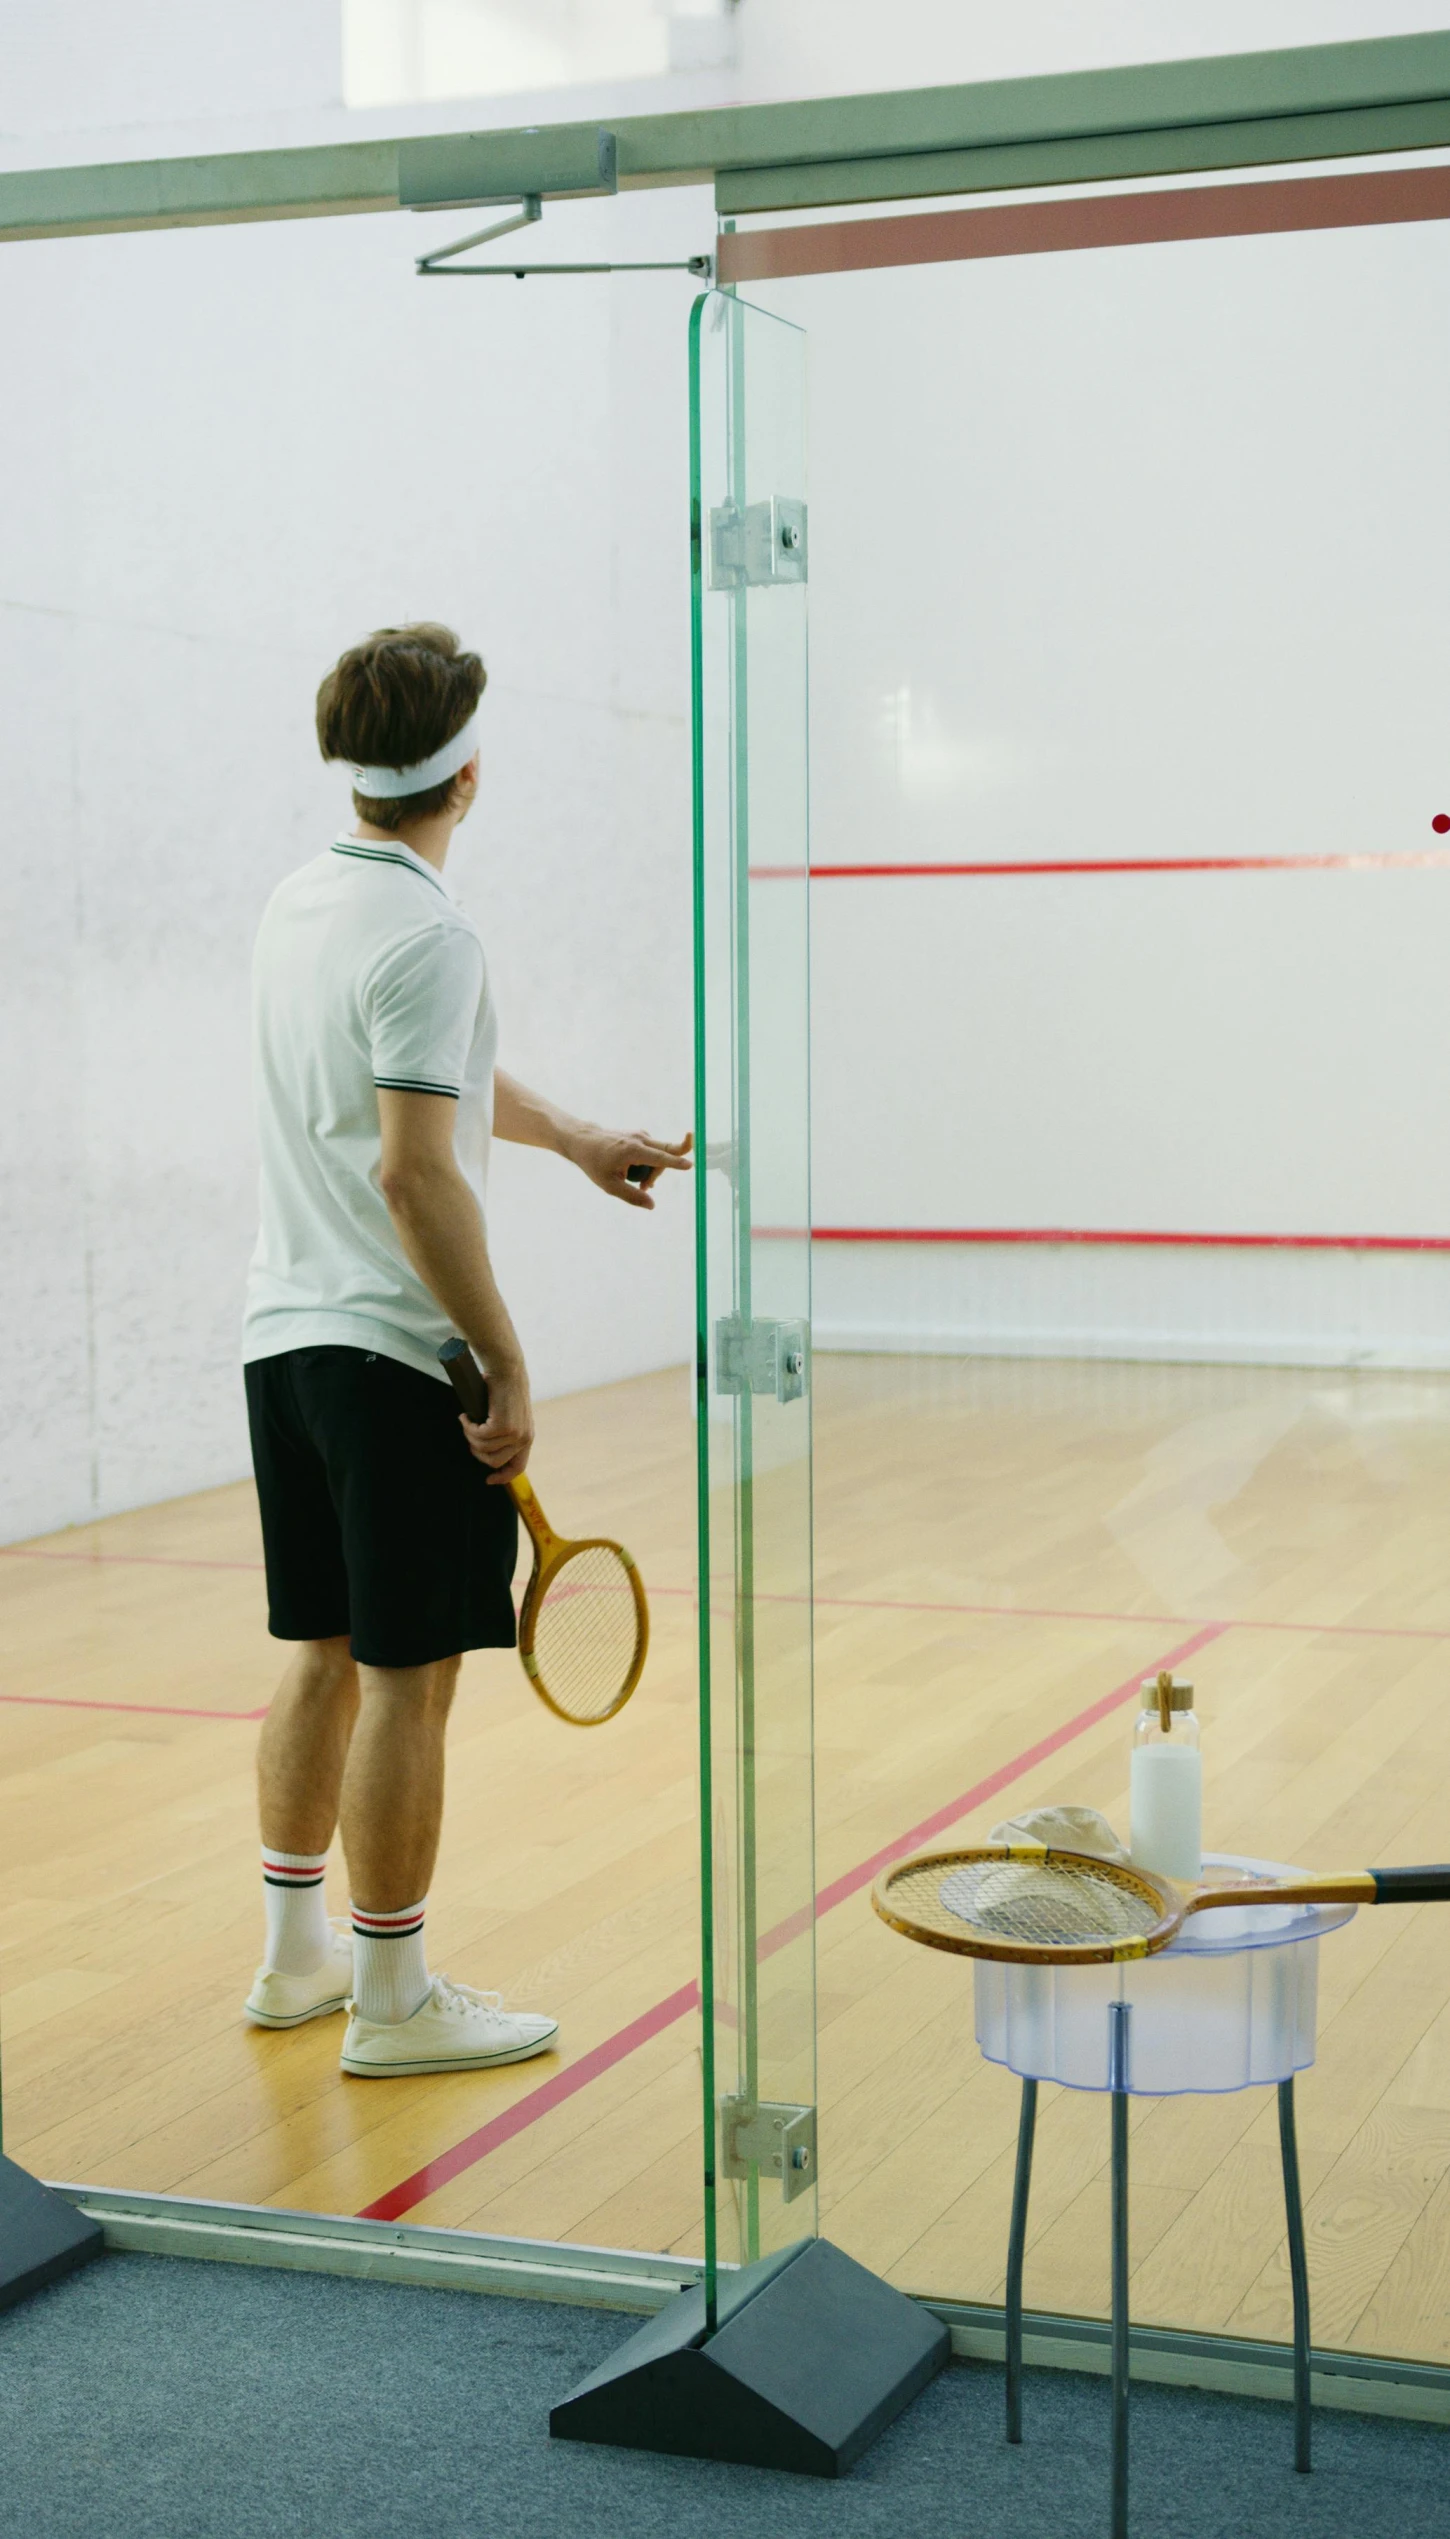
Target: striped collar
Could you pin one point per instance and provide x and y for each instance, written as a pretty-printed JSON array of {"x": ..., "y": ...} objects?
[{"x": 369, "y": 851}]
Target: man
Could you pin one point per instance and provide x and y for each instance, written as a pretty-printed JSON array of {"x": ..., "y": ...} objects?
[{"x": 390, "y": 1534}]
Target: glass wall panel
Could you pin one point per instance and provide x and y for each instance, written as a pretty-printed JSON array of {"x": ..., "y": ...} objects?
[
  {"x": 208, "y": 493},
  {"x": 754, "y": 1204},
  {"x": 1131, "y": 809}
]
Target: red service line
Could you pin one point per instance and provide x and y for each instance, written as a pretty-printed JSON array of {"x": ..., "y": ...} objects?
[
  {"x": 562, "y": 2086},
  {"x": 1103, "y": 1234},
  {"x": 151, "y": 1709},
  {"x": 1082, "y": 1613},
  {"x": 123, "y": 1560},
  {"x": 861, "y": 1876},
  {"x": 1401, "y": 860},
  {"x": 555, "y": 2092},
  {"x": 860, "y": 1604}
]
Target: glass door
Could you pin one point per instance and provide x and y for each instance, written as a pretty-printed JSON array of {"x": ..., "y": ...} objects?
[
  {"x": 753, "y": 1200},
  {"x": 1131, "y": 1166}
]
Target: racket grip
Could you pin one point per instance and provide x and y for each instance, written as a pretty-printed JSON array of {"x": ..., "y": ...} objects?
[
  {"x": 639, "y": 1172},
  {"x": 1411, "y": 1886},
  {"x": 466, "y": 1377}
]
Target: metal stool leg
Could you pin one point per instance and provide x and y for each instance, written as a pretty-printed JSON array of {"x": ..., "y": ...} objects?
[
  {"x": 1298, "y": 2275},
  {"x": 1118, "y": 2017},
  {"x": 1016, "y": 2245}
]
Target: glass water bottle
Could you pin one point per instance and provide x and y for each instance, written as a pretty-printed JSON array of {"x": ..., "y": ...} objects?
[{"x": 1167, "y": 1782}]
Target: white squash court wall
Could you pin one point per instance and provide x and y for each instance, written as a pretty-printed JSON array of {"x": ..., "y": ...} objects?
[
  {"x": 1133, "y": 554},
  {"x": 206, "y": 494},
  {"x": 237, "y": 449}
]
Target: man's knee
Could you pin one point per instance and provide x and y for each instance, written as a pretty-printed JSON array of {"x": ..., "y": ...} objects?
[
  {"x": 328, "y": 1666},
  {"x": 443, "y": 1683},
  {"x": 422, "y": 1688}
]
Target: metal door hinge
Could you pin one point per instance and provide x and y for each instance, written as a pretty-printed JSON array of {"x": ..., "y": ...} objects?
[
  {"x": 761, "y": 1357},
  {"x": 778, "y": 2140},
  {"x": 763, "y": 543}
]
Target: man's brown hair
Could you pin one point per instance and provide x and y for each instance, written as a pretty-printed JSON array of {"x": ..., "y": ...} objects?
[{"x": 392, "y": 701}]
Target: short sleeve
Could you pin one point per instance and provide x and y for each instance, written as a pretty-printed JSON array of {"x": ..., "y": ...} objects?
[{"x": 421, "y": 1009}]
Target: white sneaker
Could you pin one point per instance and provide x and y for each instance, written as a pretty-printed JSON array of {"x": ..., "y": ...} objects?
[
  {"x": 285, "y": 2001},
  {"x": 455, "y": 2030}
]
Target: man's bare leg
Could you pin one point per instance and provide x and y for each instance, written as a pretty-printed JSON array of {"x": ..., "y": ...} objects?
[
  {"x": 392, "y": 1790},
  {"x": 366, "y": 1744},
  {"x": 392, "y": 1813},
  {"x": 305, "y": 1970},
  {"x": 404, "y": 2019},
  {"x": 303, "y": 1747}
]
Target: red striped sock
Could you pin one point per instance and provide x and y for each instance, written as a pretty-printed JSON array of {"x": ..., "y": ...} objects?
[
  {"x": 390, "y": 1963},
  {"x": 299, "y": 1935}
]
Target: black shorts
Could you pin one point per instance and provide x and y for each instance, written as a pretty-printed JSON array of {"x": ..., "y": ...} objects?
[{"x": 377, "y": 1522}]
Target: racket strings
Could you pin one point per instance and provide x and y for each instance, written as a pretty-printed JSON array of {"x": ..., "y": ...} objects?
[
  {"x": 1029, "y": 1904},
  {"x": 587, "y": 1632}
]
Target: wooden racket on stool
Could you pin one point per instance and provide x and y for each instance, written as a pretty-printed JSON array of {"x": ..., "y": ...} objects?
[
  {"x": 584, "y": 1624},
  {"x": 1033, "y": 1906}
]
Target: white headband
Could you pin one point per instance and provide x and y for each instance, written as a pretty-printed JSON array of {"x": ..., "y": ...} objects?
[{"x": 387, "y": 784}]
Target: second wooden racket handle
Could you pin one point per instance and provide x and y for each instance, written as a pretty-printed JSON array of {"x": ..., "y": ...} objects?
[
  {"x": 466, "y": 1377},
  {"x": 1429, "y": 1885}
]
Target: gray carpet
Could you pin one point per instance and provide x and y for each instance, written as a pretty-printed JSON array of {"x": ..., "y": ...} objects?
[{"x": 151, "y": 2398}]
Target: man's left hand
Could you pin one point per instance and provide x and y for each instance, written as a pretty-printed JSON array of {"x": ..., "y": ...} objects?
[{"x": 609, "y": 1157}]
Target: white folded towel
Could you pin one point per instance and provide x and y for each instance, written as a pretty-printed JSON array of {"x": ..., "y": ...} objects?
[{"x": 1063, "y": 1829}]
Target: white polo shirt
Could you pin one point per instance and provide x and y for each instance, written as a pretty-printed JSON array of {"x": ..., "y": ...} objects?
[{"x": 366, "y": 973}]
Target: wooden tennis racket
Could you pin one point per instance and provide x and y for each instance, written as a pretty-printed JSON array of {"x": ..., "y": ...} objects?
[
  {"x": 1037, "y": 1907},
  {"x": 584, "y": 1622}
]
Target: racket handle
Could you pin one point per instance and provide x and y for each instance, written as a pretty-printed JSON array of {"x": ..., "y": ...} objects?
[
  {"x": 1411, "y": 1886},
  {"x": 466, "y": 1377},
  {"x": 639, "y": 1172}
]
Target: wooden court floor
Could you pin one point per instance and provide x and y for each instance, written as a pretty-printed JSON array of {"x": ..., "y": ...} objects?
[{"x": 1001, "y": 1545}]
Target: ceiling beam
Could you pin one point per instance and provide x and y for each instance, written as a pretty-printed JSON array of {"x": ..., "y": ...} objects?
[
  {"x": 80, "y": 202},
  {"x": 1088, "y": 158},
  {"x": 1252, "y": 109}
]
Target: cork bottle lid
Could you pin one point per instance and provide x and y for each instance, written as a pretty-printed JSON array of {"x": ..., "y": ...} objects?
[{"x": 1179, "y": 1694}]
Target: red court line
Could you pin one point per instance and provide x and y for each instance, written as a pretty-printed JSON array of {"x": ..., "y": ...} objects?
[
  {"x": 1082, "y": 1613},
  {"x": 123, "y": 1560},
  {"x": 1103, "y": 1234},
  {"x": 1090, "y": 1613},
  {"x": 153, "y": 1709},
  {"x": 562, "y": 2086},
  {"x": 852, "y": 1880},
  {"x": 1405, "y": 859},
  {"x": 854, "y": 1604},
  {"x": 555, "y": 2092}
]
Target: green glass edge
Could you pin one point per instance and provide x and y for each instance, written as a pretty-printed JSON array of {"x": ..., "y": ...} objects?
[
  {"x": 743, "y": 1299},
  {"x": 702, "y": 1335}
]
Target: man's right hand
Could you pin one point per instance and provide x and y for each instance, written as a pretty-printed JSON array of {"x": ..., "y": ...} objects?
[{"x": 503, "y": 1441}]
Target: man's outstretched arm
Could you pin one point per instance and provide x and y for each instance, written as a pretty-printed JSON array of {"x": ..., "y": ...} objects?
[
  {"x": 441, "y": 1231},
  {"x": 606, "y": 1155}
]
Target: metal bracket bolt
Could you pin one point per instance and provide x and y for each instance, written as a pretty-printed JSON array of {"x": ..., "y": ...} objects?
[
  {"x": 777, "y": 2138},
  {"x": 761, "y": 1357}
]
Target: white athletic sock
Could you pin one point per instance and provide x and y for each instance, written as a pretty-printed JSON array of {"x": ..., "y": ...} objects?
[
  {"x": 299, "y": 1935},
  {"x": 389, "y": 1964}
]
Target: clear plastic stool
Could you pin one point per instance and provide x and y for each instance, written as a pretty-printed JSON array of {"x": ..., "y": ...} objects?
[{"x": 1230, "y": 2005}]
